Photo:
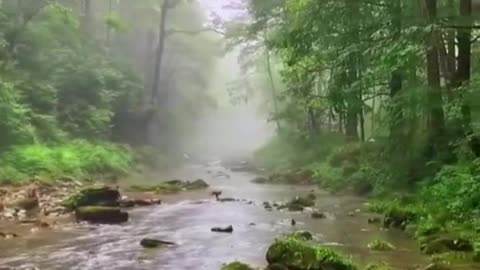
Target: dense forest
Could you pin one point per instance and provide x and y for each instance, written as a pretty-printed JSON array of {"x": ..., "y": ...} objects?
[
  {"x": 376, "y": 97},
  {"x": 370, "y": 101},
  {"x": 79, "y": 75}
]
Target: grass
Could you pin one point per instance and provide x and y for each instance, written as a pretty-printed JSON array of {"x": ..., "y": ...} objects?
[{"x": 77, "y": 159}]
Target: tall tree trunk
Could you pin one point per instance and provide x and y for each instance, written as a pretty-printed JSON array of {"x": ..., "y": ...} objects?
[
  {"x": 436, "y": 118},
  {"x": 464, "y": 57},
  {"x": 273, "y": 88},
  {"x": 160, "y": 50},
  {"x": 396, "y": 79}
]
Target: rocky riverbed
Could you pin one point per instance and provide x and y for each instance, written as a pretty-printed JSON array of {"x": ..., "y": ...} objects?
[{"x": 186, "y": 221}]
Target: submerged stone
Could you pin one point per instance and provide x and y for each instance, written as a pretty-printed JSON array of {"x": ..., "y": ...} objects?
[
  {"x": 292, "y": 253},
  {"x": 101, "y": 215},
  {"x": 301, "y": 235},
  {"x": 228, "y": 229},
  {"x": 154, "y": 243}
]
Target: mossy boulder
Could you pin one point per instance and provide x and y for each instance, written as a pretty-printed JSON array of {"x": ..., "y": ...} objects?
[
  {"x": 301, "y": 235},
  {"x": 299, "y": 203},
  {"x": 377, "y": 266},
  {"x": 441, "y": 243},
  {"x": 101, "y": 215},
  {"x": 94, "y": 196},
  {"x": 398, "y": 218},
  {"x": 197, "y": 184},
  {"x": 299, "y": 255},
  {"x": 237, "y": 266},
  {"x": 171, "y": 186},
  {"x": 381, "y": 245},
  {"x": 276, "y": 266}
]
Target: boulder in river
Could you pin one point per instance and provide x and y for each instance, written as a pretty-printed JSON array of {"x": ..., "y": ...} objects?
[
  {"x": 301, "y": 235},
  {"x": 197, "y": 184},
  {"x": 237, "y": 266},
  {"x": 101, "y": 215},
  {"x": 260, "y": 180},
  {"x": 299, "y": 203},
  {"x": 95, "y": 196},
  {"x": 154, "y": 243},
  {"x": 296, "y": 254},
  {"x": 318, "y": 215},
  {"x": 228, "y": 229}
]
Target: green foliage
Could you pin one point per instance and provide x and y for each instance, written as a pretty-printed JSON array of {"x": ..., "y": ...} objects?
[
  {"x": 380, "y": 245},
  {"x": 78, "y": 159},
  {"x": 237, "y": 266},
  {"x": 296, "y": 254}
]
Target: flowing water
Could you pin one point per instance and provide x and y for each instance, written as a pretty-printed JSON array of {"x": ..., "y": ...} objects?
[{"x": 186, "y": 219}]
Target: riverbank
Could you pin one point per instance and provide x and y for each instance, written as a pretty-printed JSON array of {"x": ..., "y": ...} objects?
[{"x": 436, "y": 207}]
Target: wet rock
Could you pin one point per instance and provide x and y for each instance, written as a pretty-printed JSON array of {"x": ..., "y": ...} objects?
[
  {"x": 380, "y": 245},
  {"x": 293, "y": 222},
  {"x": 301, "y": 235},
  {"x": 227, "y": 200},
  {"x": 8, "y": 235},
  {"x": 267, "y": 206},
  {"x": 101, "y": 215},
  {"x": 374, "y": 220},
  {"x": 299, "y": 203},
  {"x": 27, "y": 204},
  {"x": 398, "y": 218},
  {"x": 197, "y": 184},
  {"x": 296, "y": 254},
  {"x": 228, "y": 229},
  {"x": 442, "y": 243},
  {"x": 96, "y": 196},
  {"x": 154, "y": 243},
  {"x": 237, "y": 266},
  {"x": 126, "y": 203},
  {"x": 276, "y": 266},
  {"x": 318, "y": 215},
  {"x": 217, "y": 194},
  {"x": 260, "y": 180}
]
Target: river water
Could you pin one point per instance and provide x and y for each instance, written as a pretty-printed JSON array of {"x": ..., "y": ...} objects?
[{"x": 186, "y": 219}]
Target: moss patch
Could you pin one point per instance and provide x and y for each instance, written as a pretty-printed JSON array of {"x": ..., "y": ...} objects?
[
  {"x": 237, "y": 266},
  {"x": 380, "y": 245}
]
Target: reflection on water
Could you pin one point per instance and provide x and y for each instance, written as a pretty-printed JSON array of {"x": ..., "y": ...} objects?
[{"x": 186, "y": 220}]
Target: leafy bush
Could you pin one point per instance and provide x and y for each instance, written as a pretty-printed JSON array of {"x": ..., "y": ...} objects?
[{"x": 76, "y": 159}]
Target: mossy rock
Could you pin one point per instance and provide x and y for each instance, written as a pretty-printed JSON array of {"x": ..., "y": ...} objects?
[
  {"x": 276, "y": 266},
  {"x": 237, "y": 266},
  {"x": 380, "y": 245},
  {"x": 27, "y": 204},
  {"x": 301, "y": 235},
  {"x": 436, "y": 266},
  {"x": 377, "y": 266},
  {"x": 296, "y": 254},
  {"x": 171, "y": 186},
  {"x": 435, "y": 244},
  {"x": 94, "y": 196},
  {"x": 299, "y": 203},
  {"x": 398, "y": 218},
  {"x": 260, "y": 180},
  {"x": 197, "y": 184},
  {"x": 101, "y": 215}
]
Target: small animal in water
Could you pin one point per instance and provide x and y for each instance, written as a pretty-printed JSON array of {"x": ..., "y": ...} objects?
[
  {"x": 217, "y": 194},
  {"x": 293, "y": 222}
]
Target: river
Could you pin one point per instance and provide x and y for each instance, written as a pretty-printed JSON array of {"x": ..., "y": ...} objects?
[{"x": 186, "y": 219}]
